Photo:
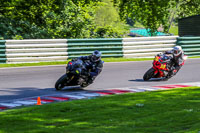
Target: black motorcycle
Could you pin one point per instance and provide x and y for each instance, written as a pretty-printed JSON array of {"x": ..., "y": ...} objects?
[{"x": 76, "y": 74}]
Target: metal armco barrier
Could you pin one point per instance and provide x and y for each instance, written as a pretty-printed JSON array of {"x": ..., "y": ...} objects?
[
  {"x": 190, "y": 45},
  {"x": 147, "y": 47},
  {"x": 2, "y": 51},
  {"x": 40, "y": 50},
  {"x": 110, "y": 47},
  {"x": 36, "y": 50}
]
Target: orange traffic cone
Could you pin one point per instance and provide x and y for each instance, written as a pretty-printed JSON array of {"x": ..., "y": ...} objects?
[{"x": 38, "y": 101}]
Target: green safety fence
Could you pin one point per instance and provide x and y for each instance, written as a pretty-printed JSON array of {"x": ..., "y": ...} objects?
[
  {"x": 2, "y": 51},
  {"x": 110, "y": 47},
  {"x": 190, "y": 45}
]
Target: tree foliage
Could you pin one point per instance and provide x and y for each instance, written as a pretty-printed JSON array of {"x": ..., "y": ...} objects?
[
  {"x": 155, "y": 13},
  {"x": 48, "y": 19},
  {"x": 106, "y": 14},
  {"x": 108, "y": 21},
  {"x": 188, "y": 8},
  {"x": 87, "y": 18},
  {"x": 151, "y": 13}
]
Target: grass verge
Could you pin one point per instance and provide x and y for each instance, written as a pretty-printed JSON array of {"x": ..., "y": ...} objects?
[
  {"x": 167, "y": 111},
  {"x": 195, "y": 57},
  {"x": 64, "y": 62}
]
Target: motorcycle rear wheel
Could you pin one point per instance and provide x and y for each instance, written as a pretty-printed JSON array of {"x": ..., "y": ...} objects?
[
  {"x": 149, "y": 74},
  {"x": 60, "y": 83}
]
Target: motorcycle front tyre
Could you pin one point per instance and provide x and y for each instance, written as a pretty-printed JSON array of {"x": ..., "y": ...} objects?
[
  {"x": 60, "y": 83},
  {"x": 149, "y": 74},
  {"x": 84, "y": 85}
]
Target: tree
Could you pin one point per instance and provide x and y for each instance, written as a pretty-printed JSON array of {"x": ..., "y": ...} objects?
[
  {"x": 106, "y": 14},
  {"x": 188, "y": 8},
  {"x": 154, "y": 13},
  {"x": 47, "y": 18},
  {"x": 107, "y": 20},
  {"x": 151, "y": 13}
]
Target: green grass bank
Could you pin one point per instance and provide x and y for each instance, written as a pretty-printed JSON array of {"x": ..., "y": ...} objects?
[{"x": 166, "y": 111}]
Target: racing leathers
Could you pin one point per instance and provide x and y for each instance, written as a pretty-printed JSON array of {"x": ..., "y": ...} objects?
[
  {"x": 94, "y": 67},
  {"x": 178, "y": 62}
]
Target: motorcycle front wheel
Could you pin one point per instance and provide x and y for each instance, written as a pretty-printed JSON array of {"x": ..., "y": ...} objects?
[
  {"x": 84, "y": 85},
  {"x": 149, "y": 74},
  {"x": 60, "y": 83}
]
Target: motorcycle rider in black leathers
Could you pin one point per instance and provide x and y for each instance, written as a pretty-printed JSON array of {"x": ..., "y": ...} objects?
[
  {"x": 178, "y": 55},
  {"x": 94, "y": 64}
]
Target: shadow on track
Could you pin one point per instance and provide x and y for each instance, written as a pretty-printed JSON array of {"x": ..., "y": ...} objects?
[
  {"x": 70, "y": 88},
  {"x": 151, "y": 80}
]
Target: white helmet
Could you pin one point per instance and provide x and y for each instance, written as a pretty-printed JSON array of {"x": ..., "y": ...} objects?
[{"x": 177, "y": 50}]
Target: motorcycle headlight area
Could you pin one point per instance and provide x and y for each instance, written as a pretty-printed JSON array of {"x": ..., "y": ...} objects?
[
  {"x": 78, "y": 71},
  {"x": 69, "y": 67}
]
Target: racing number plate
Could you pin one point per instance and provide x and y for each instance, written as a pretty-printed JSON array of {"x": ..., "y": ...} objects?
[
  {"x": 163, "y": 66},
  {"x": 156, "y": 58}
]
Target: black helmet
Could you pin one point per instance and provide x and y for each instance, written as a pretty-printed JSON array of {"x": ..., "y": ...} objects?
[
  {"x": 177, "y": 50},
  {"x": 96, "y": 56}
]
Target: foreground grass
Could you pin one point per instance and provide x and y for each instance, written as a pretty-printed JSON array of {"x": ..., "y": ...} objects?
[{"x": 169, "y": 111}]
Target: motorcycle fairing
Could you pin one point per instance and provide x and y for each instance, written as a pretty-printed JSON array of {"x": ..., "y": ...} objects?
[{"x": 160, "y": 67}]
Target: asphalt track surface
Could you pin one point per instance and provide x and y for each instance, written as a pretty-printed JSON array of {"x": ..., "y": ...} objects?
[{"x": 23, "y": 82}]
